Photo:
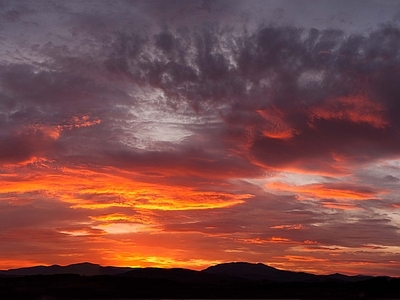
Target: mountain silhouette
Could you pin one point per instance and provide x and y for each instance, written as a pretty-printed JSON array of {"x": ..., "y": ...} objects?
[
  {"x": 260, "y": 271},
  {"x": 228, "y": 271},
  {"x": 236, "y": 280},
  {"x": 175, "y": 274},
  {"x": 85, "y": 269}
]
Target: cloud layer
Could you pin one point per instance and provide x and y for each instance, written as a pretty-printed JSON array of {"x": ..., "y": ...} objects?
[{"x": 190, "y": 133}]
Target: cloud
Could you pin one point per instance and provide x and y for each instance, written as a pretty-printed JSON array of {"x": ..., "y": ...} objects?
[
  {"x": 328, "y": 190},
  {"x": 284, "y": 92},
  {"x": 266, "y": 73}
]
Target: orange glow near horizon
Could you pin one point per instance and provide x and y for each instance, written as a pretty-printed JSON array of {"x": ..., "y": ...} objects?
[
  {"x": 78, "y": 186},
  {"x": 122, "y": 224}
]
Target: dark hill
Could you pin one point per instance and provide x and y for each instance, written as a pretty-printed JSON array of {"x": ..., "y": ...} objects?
[
  {"x": 175, "y": 274},
  {"x": 262, "y": 272},
  {"x": 86, "y": 269},
  {"x": 224, "y": 281},
  {"x": 226, "y": 271}
]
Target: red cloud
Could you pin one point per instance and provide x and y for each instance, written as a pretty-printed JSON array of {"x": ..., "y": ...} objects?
[
  {"x": 327, "y": 190},
  {"x": 356, "y": 109}
]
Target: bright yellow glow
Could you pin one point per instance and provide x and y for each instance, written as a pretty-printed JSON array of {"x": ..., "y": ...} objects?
[{"x": 105, "y": 188}]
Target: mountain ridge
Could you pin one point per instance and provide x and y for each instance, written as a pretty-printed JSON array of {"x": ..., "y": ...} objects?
[
  {"x": 83, "y": 268},
  {"x": 259, "y": 271},
  {"x": 236, "y": 280},
  {"x": 231, "y": 270}
]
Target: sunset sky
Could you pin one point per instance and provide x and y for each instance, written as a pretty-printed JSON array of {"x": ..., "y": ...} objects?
[{"x": 175, "y": 133}]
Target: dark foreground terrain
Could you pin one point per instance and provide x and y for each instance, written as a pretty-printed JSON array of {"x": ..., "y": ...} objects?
[{"x": 228, "y": 281}]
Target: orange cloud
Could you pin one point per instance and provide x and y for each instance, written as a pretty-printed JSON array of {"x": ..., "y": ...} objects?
[
  {"x": 289, "y": 227},
  {"x": 342, "y": 206},
  {"x": 275, "y": 127},
  {"x": 310, "y": 242},
  {"x": 83, "y": 121},
  {"x": 273, "y": 239},
  {"x": 120, "y": 218},
  {"x": 279, "y": 134},
  {"x": 81, "y": 231},
  {"x": 323, "y": 191},
  {"x": 303, "y": 258},
  {"x": 54, "y": 131},
  {"x": 356, "y": 108},
  {"x": 34, "y": 160},
  {"x": 106, "y": 188}
]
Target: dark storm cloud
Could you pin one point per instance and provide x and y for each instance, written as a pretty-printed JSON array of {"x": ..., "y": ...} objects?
[
  {"x": 333, "y": 92},
  {"x": 40, "y": 104},
  {"x": 294, "y": 97}
]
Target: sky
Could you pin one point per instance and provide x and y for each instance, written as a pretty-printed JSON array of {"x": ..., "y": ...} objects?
[{"x": 190, "y": 133}]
